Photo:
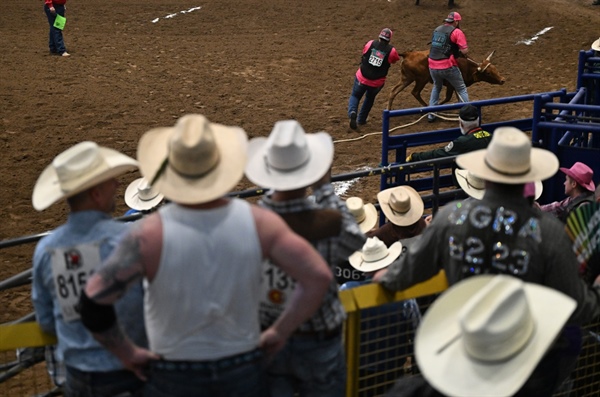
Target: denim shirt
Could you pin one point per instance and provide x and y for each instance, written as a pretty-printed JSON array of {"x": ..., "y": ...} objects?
[{"x": 76, "y": 345}]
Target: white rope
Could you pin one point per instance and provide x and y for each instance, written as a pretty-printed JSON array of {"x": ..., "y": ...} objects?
[{"x": 444, "y": 116}]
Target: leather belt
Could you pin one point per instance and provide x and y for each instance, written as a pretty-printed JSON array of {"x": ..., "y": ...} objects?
[{"x": 220, "y": 364}]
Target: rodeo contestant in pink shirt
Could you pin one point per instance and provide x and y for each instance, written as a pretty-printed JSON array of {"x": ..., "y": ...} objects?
[
  {"x": 55, "y": 41},
  {"x": 377, "y": 56},
  {"x": 448, "y": 41}
]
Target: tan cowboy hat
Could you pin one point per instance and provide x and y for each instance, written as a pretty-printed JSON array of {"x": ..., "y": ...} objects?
[
  {"x": 195, "y": 161},
  {"x": 473, "y": 186},
  {"x": 509, "y": 158},
  {"x": 485, "y": 335},
  {"x": 402, "y": 205},
  {"x": 289, "y": 158},
  {"x": 78, "y": 168},
  {"x": 365, "y": 214},
  {"x": 141, "y": 196},
  {"x": 374, "y": 255},
  {"x": 596, "y": 45}
]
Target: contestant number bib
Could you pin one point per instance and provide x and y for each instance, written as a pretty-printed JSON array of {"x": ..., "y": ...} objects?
[
  {"x": 376, "y": 58},
  {"x": 276, "y": 289},
  {"x": 71, "y": 268}
]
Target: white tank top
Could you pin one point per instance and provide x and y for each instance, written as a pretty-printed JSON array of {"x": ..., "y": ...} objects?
[{"x": 203, "y": 302}]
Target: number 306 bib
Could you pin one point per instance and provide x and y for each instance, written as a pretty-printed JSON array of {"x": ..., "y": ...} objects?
[{"x": 71, "y": 267}]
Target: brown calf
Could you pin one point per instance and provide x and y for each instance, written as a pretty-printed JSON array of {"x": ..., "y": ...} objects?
[{"x": 415, "y": 68}]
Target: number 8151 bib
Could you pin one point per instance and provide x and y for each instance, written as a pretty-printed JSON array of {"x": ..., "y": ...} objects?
[{"x": 71, "y": 267}]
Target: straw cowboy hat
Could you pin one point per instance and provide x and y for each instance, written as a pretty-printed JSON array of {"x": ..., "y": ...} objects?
[
  {"x": 486, "y": 334},
  {"x": 596, "y": 45},
  {"x": 582, "y": 174},
  {"x": 509, "y": 158},
  {"x": 289, "y": 158},
  {"x": 374, "y": 255},
  {"x": 402, "y": 205},
  {"x": 195, "y": 161},
  {"x": 472, "y": 185},
  {"x": 78, "y": 168},
  {"x": 365, "y": 214},
  {"x": 141, "y": 196}
]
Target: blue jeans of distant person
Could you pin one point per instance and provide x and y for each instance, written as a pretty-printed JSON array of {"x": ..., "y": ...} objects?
[
  {"x": 454, "y": 77},
  {"x": 55, "y": 38},
  {"x": 122, "y": 383},
  {"x": 358, "y": 91},
  {"x": 246, "y": 380},
  {"x": 309, "y": 367}
]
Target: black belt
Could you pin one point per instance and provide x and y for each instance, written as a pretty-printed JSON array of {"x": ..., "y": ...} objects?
[
  {"x": 220, "y": 364},
  {"x": 319, "y": 335}
]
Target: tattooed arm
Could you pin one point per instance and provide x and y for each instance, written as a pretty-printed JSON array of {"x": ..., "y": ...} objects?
[{"x": 137, "y": 255}]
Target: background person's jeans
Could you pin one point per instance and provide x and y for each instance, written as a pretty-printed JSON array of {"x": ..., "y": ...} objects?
[
  {"x": 246, "y": 380},
  {"x": 55, "y": 38},
  {"x": 454, "y": 77},
  {"x": 310, "y": 367},
  {"x": 102, "y": 384},
  {"x": 358, "y": 91}
]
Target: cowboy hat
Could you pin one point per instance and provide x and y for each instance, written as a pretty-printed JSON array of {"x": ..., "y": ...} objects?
[
  {"x": 141, "y": 196},
  {"x": 374, "y": 255},
  {"x": 596, "y": 45},
  {"x": 289, "y": 158},
  {"x": 402, "y": 205},
  {"x": 365, "y": 214},
  {"x": 472, "y": 185},
  {"x": 582, "y": 174},
  {"x": 509, "y": 158},
  {"x": 78, "y": 168},
  {"x": 195, "y": 161},
  {"x": 485, "y": 335}
]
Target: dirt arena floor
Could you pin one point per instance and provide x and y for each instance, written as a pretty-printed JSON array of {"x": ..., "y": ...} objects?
[{"x": 136, "y": 65}]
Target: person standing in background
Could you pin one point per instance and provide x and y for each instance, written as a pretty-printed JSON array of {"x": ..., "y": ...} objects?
[
  {"x": 55, "y": 41},
  {"x": 377, "y": 57},
  {"x": 447, "y": 43}
]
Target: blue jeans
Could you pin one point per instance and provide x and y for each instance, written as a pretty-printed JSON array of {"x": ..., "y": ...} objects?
[
  {"x": 246, "y": 380},
  {"x": 55, "y": 38},
  {"x": 309, "y": 367},
  {"x": 454, "y": 77},
  {"x": 358, "y": 91},
  {"x": 102, "y": 384}
]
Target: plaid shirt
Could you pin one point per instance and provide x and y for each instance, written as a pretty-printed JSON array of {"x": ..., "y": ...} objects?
[{"x": 334, "y": 250}]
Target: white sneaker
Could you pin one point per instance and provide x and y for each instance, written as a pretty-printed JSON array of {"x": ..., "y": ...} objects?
[{"x": 65, "y": 54}]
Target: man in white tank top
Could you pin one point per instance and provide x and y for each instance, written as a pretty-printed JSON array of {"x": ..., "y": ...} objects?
[{"x": 200, "y": 257}]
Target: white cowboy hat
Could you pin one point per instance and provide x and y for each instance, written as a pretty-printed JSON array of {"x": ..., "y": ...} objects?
[
  {"x": 485, "y": 335},
  {"x": 472, "y": 185},
  {"x": 374, "y": 255},
  {"x": 509, "y": 158},
  {"x": 365, "y": 214},
  {"x": 195, "y": 161},
  {"x": 402, "y": 205},
  {"x": 596, "y": 45},
  {"x": 78, "y": 168},
  {"x": 141, "y": 196},
  {"x": 289, "y": 158}
]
